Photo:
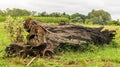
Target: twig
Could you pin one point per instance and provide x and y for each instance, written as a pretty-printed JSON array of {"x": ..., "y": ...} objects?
[{"x": 31, "y": 61}]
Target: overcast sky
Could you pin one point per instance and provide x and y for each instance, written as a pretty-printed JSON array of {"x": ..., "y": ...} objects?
[{"x": 68, "y": 6}]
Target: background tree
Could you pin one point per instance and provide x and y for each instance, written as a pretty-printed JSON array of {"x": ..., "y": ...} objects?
[
  {"x": 55, "y": 14},
  {"x": 78, "y": 17},
  {"x": 115, "y": 22},
  {"x": 99, "y": 17},
  {"x": 94, "y": 17},
  {"x": 43, "y": 14},
  {"x": 65, "y": 15},
  {"x": 17, "y": 12},
  {"x": 33, "y": 13}
]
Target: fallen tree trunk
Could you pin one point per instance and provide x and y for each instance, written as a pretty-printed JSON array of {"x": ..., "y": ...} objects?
[
  {"x": 44, "y": 38},
  {"x": 71, "y": 33}
]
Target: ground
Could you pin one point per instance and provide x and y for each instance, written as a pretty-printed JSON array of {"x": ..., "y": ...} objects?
[{"x": 102, "y": 56}]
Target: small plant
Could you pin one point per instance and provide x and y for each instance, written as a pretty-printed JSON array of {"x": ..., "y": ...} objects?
[{"x": 15, "y": 29}]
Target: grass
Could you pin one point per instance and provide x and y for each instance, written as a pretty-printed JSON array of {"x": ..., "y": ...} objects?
[
  {"x": 102, "y": 56},
  {"x": 2, "y": 18}
]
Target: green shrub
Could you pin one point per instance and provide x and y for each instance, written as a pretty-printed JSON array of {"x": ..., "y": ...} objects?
[{"x": 15, "y": 28}]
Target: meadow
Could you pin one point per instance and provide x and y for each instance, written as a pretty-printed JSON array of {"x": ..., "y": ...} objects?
[{"x": 96, "y": 56}]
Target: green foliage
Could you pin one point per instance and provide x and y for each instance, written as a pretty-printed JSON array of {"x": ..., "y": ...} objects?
[
  {"x": 55, "y": 14},
  {"x": 82, "y": 47},
  {"x": 99, "y": 17},
  {"x": 2, "y": 18},
  {"x": 65, "y": 15},
  {"x": 88, "y": 47},
  {"x": 114, "y": 22},
  {"x": 94, "y": 17},
  {"x": 15, "y": 29},
  {"x": 89, "y": 21},
  {"x": 43, "y": 14},
  {"x": 17, "y": 12},
  {"x": 78, "y": 18}
]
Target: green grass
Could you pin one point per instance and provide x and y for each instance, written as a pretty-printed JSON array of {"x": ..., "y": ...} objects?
[
  {"x": 103, "y": 56},
  {"x": 2, "y": 18}
]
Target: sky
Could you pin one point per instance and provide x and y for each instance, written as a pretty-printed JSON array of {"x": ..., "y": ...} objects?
[{"x": 68, "y": 6}]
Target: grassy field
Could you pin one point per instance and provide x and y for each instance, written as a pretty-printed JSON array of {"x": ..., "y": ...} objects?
[
  {"x": 102, "y": 56},
  {"x": 41, "y": 19}
]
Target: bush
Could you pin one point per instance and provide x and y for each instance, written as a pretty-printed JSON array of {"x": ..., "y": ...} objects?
[
  {"x": 15, "y": 29},
  {"x": 77, "y": 19}
]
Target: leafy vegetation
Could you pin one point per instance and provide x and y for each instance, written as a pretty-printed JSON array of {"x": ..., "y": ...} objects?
[
  {"x": 15, "y": 29},
  {"x": 100, "y": 17}
]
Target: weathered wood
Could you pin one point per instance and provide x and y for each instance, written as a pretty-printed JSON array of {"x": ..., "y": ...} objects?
[
  {"x": 73, "y": 34},
  {"x": 43, "y": 38}
]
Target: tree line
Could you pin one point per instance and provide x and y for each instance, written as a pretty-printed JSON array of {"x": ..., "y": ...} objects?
[{"x": 93, "y": 17}]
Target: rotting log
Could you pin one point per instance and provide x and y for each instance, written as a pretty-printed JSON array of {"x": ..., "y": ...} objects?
[
  {"x": 43, "y": 38},
  {"x": 73, "y": 34}
]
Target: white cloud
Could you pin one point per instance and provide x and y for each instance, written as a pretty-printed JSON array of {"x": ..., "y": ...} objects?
[{"x": 69, "y": 6}]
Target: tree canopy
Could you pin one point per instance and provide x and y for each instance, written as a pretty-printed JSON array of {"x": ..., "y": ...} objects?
[{"x": 99, "y": 17}]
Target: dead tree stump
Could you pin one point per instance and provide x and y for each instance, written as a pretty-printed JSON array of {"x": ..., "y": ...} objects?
[{"x": 43, "y": 38}]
